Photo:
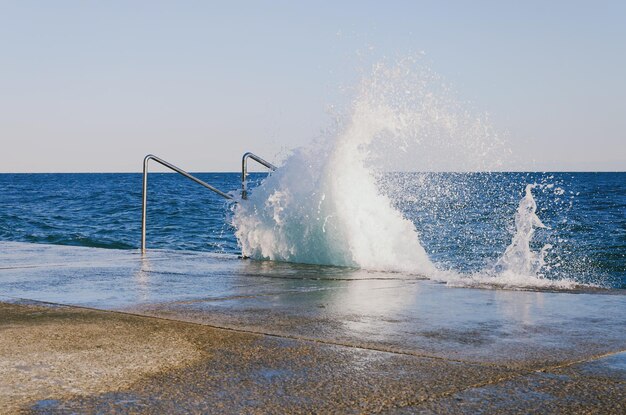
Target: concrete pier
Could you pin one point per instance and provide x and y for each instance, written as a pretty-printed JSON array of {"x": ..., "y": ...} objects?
[{"x": 86, "y": 330}]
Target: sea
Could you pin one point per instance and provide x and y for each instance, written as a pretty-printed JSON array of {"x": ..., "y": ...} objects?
[
  {"x": 407, "y": 179},
  {"x": 470, "y": 225}
]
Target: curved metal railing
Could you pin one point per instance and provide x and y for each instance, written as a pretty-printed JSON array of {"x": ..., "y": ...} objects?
[
  {"x": 145, "y": 190},
  {"x": 244, "y": 192},
  {"x": 244, "y": 170}
]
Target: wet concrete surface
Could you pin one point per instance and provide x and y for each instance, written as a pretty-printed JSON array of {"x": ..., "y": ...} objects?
[
  {"x": 268, "y": 337},
  {"x": 574, "y": 389},
  {"x": 54, "y": 351}
]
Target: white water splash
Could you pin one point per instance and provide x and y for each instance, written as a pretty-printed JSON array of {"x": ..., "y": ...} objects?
[
  {"x": 519, "y": 258},
  {"x": 519, "y": 266},
  {"x": 325, "y": 205}
]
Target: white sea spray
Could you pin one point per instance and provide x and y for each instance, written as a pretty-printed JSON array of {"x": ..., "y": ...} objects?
[{"x": 331, "y": 202}]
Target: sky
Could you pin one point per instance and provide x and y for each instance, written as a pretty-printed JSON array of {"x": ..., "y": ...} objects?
[{"x": 93, "y": 86}]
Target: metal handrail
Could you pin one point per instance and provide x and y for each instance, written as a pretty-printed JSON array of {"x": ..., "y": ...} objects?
[
  {"x": 145, "y": 190},
  {"x": 244, "y": 170}
]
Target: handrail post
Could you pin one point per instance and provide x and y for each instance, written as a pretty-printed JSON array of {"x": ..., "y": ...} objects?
[
  {"x": 244, "y": 170},
  {"x": 144, "y": 198},
  {"x": 244, "y": 174},
  {"x": 145, "y": 191}
]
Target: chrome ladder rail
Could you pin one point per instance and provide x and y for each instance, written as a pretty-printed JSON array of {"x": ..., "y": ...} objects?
[
  {"x": 145, "y": 191},
  {"x": 244, "y": 191},
  {"x": 244, "y": 170}
]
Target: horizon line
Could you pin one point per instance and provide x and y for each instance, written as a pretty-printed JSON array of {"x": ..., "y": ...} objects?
[{"x": 264, "y": 172}]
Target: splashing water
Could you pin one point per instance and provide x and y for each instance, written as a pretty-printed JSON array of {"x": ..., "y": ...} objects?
[
  {"x": 519, "y": 266},
  {"x": 331, "y": 203},
  {"x": 324, "y": 207},
  {"x": 518, "y": 257}
]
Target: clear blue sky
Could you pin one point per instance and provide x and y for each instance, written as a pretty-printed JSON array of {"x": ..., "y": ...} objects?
[{"x": 95, "y": 85}]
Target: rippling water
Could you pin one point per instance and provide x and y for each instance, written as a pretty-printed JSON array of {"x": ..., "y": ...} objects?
[{"x": 465, "y": 228}]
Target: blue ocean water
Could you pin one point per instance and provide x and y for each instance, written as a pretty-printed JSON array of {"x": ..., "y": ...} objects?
[{"x": 465, "y": 222}]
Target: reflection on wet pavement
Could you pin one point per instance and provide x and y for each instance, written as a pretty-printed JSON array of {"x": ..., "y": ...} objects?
[{"x": 384, "y": 319}]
